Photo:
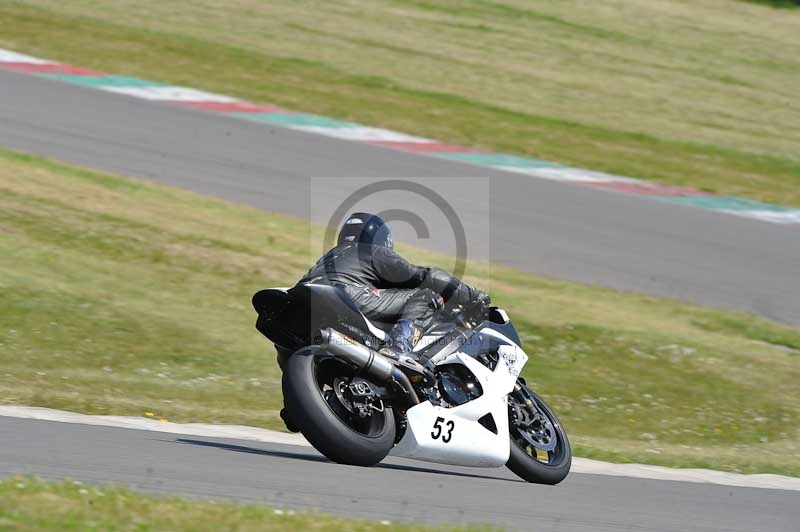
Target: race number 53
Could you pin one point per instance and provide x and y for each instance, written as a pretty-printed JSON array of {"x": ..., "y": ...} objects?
[{"x": 443, "y": 430}]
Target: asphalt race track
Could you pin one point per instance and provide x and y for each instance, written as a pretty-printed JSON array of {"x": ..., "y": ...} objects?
[
  {"x": 397, "y": 490},
  {"x": 555, "y": 229}
]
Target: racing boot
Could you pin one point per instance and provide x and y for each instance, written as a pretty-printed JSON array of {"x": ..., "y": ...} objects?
[
  {"x": 402, "y": 339},
  {"x": 404, "y": 336}
]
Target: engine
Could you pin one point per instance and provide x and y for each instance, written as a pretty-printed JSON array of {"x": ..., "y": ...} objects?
[{"x": 456, "y": 385}]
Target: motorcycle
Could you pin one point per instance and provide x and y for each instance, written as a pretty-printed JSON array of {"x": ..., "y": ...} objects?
[{"x": 459, "y": 400}]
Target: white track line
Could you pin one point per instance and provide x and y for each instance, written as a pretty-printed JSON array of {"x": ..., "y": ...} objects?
[
  {"x": 363, "y": 134},
  {"x": 780, "y": 217},
  {"x": 8, "y": 56},
  {"x": 563, "y": 173},
  {"x": 240, "y": 432},
  {"x": 168, "y": 93}
]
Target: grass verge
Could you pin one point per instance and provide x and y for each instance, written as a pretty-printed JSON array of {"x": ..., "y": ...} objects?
[
  {"x": 29, "y": 504},
  {"x": 125, "y": 297},
  {"x": 687, "y": 93}
]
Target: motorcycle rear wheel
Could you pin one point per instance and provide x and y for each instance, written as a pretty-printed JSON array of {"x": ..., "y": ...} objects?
[
  {"x": 308, "y": 380},
  {"x": 537, "y": 466}
]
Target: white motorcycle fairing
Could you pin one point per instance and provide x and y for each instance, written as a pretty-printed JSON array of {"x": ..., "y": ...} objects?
[{"x": 454, "y": 435}]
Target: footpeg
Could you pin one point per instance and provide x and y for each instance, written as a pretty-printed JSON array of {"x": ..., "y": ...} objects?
[{"x": 415, "y": 371}]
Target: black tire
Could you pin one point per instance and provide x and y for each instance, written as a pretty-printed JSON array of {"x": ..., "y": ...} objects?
[
  {"x": 283, "y": 356},
  {"x": 329, "y": 433},
  {"x": 531, "y": 469}
]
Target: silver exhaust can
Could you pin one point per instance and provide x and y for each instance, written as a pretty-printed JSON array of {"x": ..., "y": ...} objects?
[{"x": 361, "y": 356}]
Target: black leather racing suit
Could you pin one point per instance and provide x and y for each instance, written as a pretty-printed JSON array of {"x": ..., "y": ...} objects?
[{"x": 386, "y": 287}]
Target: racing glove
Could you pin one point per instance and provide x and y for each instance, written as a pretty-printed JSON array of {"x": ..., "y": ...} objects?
[
  {"x": 481, "y": 298},
  {"x": 452, "y": 290}
]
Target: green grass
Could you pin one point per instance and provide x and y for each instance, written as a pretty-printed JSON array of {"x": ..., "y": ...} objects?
[
  {"x": 125, "y": 297},
  {"x": 29, "y": 505},
  {"x": 699, "y": 94}
]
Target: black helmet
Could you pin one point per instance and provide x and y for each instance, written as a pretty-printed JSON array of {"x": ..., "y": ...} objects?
[{"x": 366, "y": 228}]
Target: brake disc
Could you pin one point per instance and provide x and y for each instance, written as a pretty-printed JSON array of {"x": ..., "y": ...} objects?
[
  {"x": 534, "y": 427},
  {"x": 340, "y": 389}
]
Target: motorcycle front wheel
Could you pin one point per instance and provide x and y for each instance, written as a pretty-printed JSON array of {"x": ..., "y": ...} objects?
[
  {"x": 314, "y": 391},
  {"x": 540, "y": 450}
]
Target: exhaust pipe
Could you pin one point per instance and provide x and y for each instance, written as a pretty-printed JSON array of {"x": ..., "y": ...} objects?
[{"x": 368, "y": 360}]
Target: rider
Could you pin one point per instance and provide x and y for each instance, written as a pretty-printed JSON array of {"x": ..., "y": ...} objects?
[{"x": 383, "y": 285}]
